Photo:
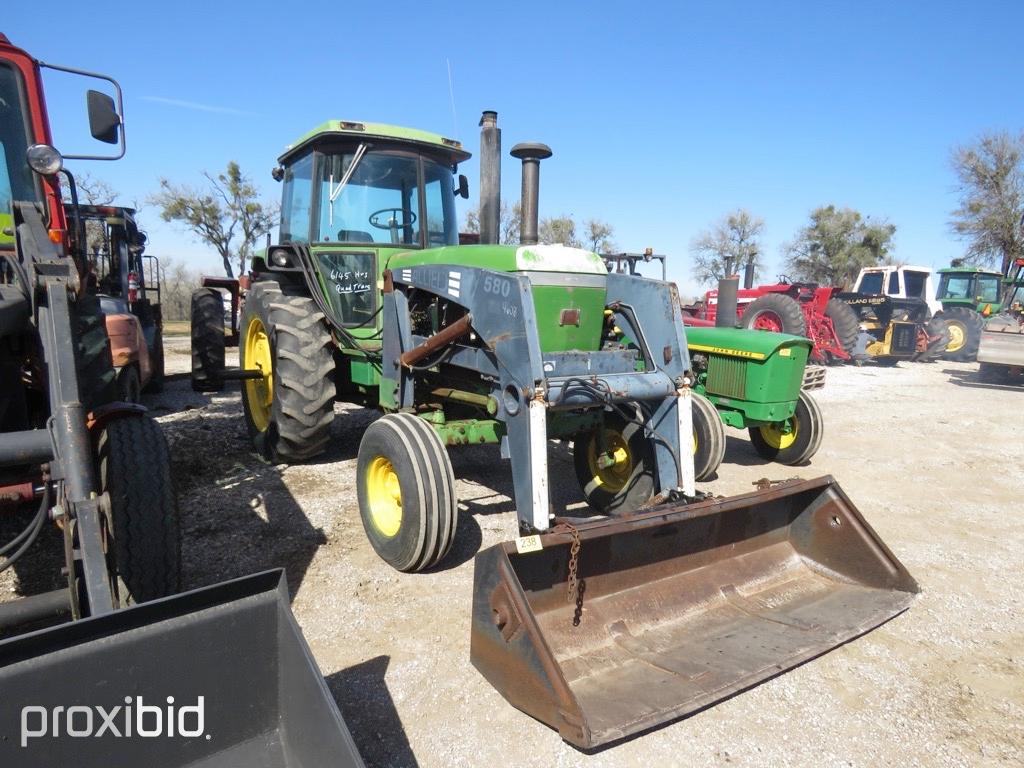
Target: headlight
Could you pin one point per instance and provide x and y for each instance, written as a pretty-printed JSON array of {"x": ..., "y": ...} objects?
[
  {"x": 279, "y": 258},
  {"x": 44, "y": 159}
]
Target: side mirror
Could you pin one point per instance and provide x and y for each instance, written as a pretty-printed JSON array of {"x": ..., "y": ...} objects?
[
  {"x": 103, "y": 118},
  {"x": 463, "y": 190}
]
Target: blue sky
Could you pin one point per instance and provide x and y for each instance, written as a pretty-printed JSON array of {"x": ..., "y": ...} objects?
[{"x": 663, "y": 117}]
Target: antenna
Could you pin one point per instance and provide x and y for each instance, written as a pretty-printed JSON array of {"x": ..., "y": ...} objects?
[{"x": 451, "y": 96}]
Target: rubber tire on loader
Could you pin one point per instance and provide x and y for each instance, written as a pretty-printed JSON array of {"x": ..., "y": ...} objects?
[
  {"x": 785, "y": 309},
  {"x": 845, "y": 323},
  {"x": 965, "y": 323},
  {"x": 148, "y": 317},
  {"x": 406, "y": 491},
  {"x": 134, "y": 469},
  {"x": 296, "y": 424},
  {"x": 936, "y": 326},
  {"x": 616, "y": 490},
  {"x": 809, "y": 430},
  {"x": 708, "y": 438},
  {"x": 93, "y": 362},
  {"x": 207, "y": 340}
]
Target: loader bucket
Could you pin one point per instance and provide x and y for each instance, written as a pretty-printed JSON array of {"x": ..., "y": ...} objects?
[
  {"x": 682, "y": 606},
  {"x": 219, "y": 676}
]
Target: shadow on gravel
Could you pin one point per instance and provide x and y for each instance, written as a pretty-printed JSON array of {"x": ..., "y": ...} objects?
[
  {"x": 974, "y": 380},
  {"x": 366, "y": 704}
]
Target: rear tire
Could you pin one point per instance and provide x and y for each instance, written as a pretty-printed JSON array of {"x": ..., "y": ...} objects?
[
  {"x": 207, "y": 340},
  {"x": 406, "y": 491},
  {"x": 129, "y": 387},
  {"x": 845, "y": 323},
  {"x": 797, "y": 446},
  {"x": 965, "y": 333},
  {"x": 623, "y": 487},
  {"x": 292, "y": 421},
  {"x": 708, "y": 438},
  {"x": 775, "y": 312},
  {"x": 135, "y": 470},
  {"x": 93, "y": 363},
  {"x": 936, "y": 327}
]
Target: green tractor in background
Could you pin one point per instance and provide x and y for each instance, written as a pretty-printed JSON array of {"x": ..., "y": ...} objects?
[{"x": 968, "y": 295}]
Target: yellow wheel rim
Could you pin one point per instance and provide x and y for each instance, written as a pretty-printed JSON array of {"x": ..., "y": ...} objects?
[
  {"x": 776, "y": 438},
  {"x": 259, "y": 393},
  {"x": 956, "y": 337},
  {"x": 385, "y": 496},
  {"x": 614, "y": 476}
]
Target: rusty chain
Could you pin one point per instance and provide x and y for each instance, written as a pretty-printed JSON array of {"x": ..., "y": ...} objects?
[{"x": 574, "y": 554}]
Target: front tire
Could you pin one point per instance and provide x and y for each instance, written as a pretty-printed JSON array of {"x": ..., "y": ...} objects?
[
  {"x": 775, "y": 312},
  {"x": 129, "y": 387},
  {"x": 615, "y": 468},
  {"x": 794, "y": 441},
  {"x": 406, "y": 491},
  {"x": 708, "y": 438},
  {"x": 289, "y": 409},
  {"x": 135, "y": 471},
  {"x": 845, "y": 323}
]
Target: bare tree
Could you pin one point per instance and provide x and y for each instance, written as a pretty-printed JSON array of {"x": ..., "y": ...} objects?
[
  {"x": 177, "y": 282},
  {"x": 229, "y": 209},
  {"x": 990, "y": 179},
  {"x": 509, "y": 222},
  {"x": 836, "y": 245},
  {"x": 730, "y": 245},
  {"x": 598, "y": 235},
  {"x": 558, "y": 229}
]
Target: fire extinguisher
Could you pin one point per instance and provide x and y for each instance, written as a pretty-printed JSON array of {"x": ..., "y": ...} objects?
[{"x": 133, "y": 287}]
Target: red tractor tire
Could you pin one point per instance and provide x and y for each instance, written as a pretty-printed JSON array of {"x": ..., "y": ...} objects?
[{"x": 775, "y": 312}]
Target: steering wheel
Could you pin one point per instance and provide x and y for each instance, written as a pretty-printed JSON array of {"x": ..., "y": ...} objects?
[{"x": 393, "y": 222}]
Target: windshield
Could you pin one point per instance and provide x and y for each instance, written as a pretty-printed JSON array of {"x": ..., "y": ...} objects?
[
  {"x": 374, "y": 197},
  {"x": 16, "y": 182},
  {"x": 871, "y": 282},
  {"x": 955, "y": 287},
  {"x": 988, "y": 288}
]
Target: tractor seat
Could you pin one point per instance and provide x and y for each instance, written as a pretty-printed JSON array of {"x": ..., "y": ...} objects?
[{"x": 354, "y": 236}]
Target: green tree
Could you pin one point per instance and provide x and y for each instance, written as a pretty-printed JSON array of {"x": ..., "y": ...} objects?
[
  {"x": 228, "y": 216},
  {"x": 990, "y": 180},
  {"x": 836, "y": 245},
  {"x": 730, "y": 245},
  {"x": 558, "y": 229},
  {"x": 598, "y": 236}
]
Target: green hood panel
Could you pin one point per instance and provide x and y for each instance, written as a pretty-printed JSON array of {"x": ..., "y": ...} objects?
[
  {"x": 506, "y": 258},
  {"x": 741, "y": 342}
]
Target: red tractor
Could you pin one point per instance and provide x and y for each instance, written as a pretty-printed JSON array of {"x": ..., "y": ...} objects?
[{"x": 802, "y": 309}]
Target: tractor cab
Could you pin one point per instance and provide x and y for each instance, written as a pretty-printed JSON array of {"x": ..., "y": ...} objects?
[
  {"x": 969, "y": 287},
  {"x": 353, "y": 195}
]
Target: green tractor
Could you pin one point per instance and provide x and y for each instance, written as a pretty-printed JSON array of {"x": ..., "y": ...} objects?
[
  {"x": 754, "y": 380},
  {"x": 968, "y": 295},
  {"x": 603, "y": 625}
]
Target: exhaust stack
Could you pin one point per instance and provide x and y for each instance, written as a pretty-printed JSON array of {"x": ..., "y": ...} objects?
[
  {"x": 490, "y": 178},
  {"x": 748, "y": 275},
  {"x": 725, "y": 316},
  {"x": 531, "y": 155}
]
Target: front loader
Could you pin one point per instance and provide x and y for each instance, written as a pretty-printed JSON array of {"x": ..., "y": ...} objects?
[
  {"x": 654, "y": 603},
  {"x": 114, "y": 668}
]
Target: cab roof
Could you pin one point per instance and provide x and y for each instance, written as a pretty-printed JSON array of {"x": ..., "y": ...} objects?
[{"x": 419, "y": 140}]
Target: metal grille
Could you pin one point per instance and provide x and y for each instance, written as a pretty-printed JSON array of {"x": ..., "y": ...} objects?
[
  {"x": 904, "y": 338},
  {"x": 727, "y": 376}
]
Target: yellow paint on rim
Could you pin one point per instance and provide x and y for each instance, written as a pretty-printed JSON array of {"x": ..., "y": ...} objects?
[
  {"x": 957, "y": 337},
  {"x": 776, "y": 438},
  {"x": 259, "y": 393},
  {"x": 612, "y": 478},
  {"x": 384, "y": 494}
]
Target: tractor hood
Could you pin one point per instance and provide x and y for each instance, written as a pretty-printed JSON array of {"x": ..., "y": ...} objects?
[
  {"x": 741, "y": 342},
  {"x": 507, "y": 258}
]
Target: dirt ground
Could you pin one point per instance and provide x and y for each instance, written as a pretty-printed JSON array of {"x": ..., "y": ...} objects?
[{"x": 930, "y": 455}]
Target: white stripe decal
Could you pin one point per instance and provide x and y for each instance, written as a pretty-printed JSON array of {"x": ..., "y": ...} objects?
[{"x": 684, "y": 452}]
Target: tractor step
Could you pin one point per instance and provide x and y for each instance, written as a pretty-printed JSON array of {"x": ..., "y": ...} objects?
[{"x": 659, "y": 615}]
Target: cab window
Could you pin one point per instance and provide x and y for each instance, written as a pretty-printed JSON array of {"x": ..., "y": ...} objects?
[
  {"x": 297, "y": 197},
  {"x": 351, "y": 286},
  {"x": 987, "y": 288}
]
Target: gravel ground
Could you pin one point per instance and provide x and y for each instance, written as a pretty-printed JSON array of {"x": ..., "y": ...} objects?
[{"x": 941, "y": 685}]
